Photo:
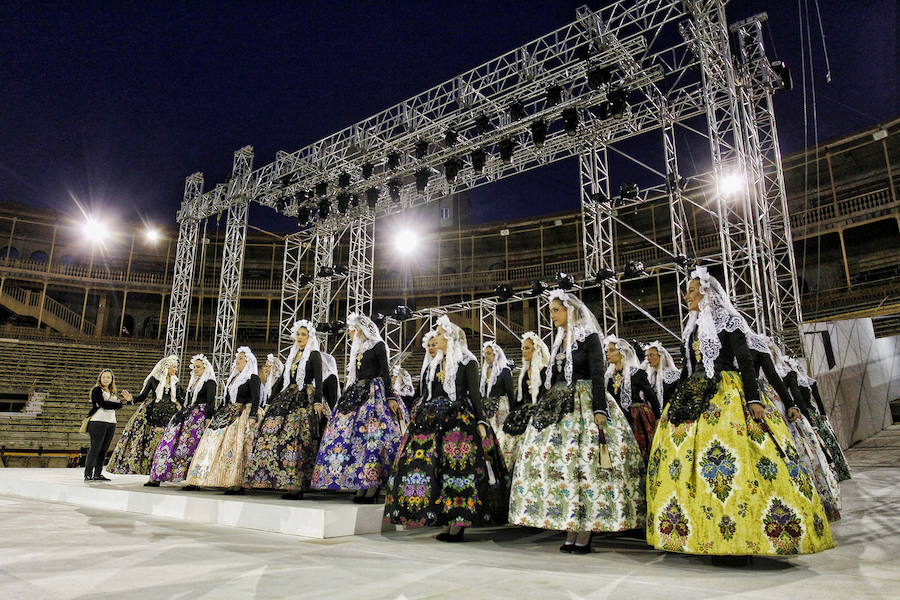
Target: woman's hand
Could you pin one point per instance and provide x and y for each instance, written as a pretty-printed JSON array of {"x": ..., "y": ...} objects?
[
  {"x": 394, "y": 408},
  {"x": 793, "y": 414},
  {"x": 756, "y": 411},
  {"x": 127, "y": 396},
  {"x": 600, "y": 420},
  {"x": 318, "y": 408}
]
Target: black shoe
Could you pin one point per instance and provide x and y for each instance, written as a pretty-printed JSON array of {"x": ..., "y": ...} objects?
[
  {"x": 101, "y": 478},
  {"x": 293, "y": 496},
  {"x": 576, "y": 549},
  {"x": 730, "y": 561},
  {"x": 234, "y": 492},
  {"x": 456, "y": 537},
  {"x": 442, "y": 537},
  {"x": 189, "y": 488},
  {"x": 88, "y": 477},
  {"x": 358, "y": 499},
  {"x": 151, "y": 484},
  {"x": 567, "y": 548}
]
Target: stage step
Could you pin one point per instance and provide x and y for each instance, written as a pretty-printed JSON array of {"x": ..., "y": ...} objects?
[{"x": 322, "y": 515}]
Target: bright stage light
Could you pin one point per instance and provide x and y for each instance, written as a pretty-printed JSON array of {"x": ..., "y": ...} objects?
[
  {"x": 152, "y": 234},
  {"x": 406, "y": 241},
  {"x": 94, "y": 231},
  {"x": 730, "y": 183}
]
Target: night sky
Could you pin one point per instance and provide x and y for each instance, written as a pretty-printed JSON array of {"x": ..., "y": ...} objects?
[{"x": 114, "y": 106}]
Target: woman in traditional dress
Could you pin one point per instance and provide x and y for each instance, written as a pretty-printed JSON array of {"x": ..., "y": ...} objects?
[
  {"x": 331, "y": 387},
  {"x": 160, "y": 398},
  {"x": 362, "y": 436},
  {"x": 579, "y": 468},
  {"x": 402, "y": 384},
  {"x": 627, "y": 383},
  {"x": 270, "y": 377},
  {"x": 532, "y": 376},
  {"x": 449, "y": 471},
  {"x": 285, "y": 447},
  {"x": 179, "y": 441},
  {"x": 724, "y": 476},
  {"x": 101, "y": 424},
  {"x": 497, "y": 391},
  {"x": 806, "y": 392},
  {"x": 662, "y": 373},
  {"x": 221, "y": 455}
]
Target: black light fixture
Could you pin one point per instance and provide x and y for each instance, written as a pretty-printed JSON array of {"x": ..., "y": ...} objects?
[
  {"x": 394, "y": 189},
  {"x": 516, "y": 111},
  {"x": 674, "y": 183},
  {"x": 322, "y": 189},
  {"x": 564, "y": 281},
  {"x": 422, "y": 176},
  {"x": 785, "y": 82},
  {"x": 628, "y": 190},
  {"x": 367, "y": 170},
  {"x": 451, "y": 169},
  {"x": 343, "y": 202},
  {"x": 304, "y": 279},
  {"x": 504, "y": 292},
  {"x": 372, "y": 197},
  {"x": 618, "y": 102},
  {"x": 354, "y": 200},
  {"x": 583, "y": 52},
  {"x": 336, "y": 327},
  {"x": 280, "y": 204},
  {"x": 570, "y": 120},
  {"x": 538, "y": 132},
  {"x": 634, "y": 269},
  {"x": 393, "y": 160},
  {"x": 379, "y": 318},
  {"x": 538, "y": 287},
  {"x": 597, "y": 77},
  {"x": 638, "y": 350},
  {"x": 303, "y": 215},
  {"x": 603, "y": 110},
  {"x": 324, "y": 208},
  {"x": 603, "y": 274},
  {"x": 325, "y": 272},
  {"x": 554, "y": 95},
  {"x": 681, "y": 260},
  {"x": 479, "y": 158},
  {"x": 344, "y": 180},
  {"x": 599, "y": 197},
  {"x": 450, "y": 136},
  {"x": 421, "y": 149},
  {"x": 507, "y": 147},
  {"x": 341, "y": 271},
  {"x": 483, "y": 124},
  {"x": 402, "y": 312}
]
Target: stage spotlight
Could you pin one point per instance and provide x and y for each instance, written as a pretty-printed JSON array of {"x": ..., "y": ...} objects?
[
  {"x": 406, "y": 241},
  {"x": 604, "y": 274},
  {"x": 598, "y": 77},
  {"x": 341, "y": 271},
  {"x": 483, "y": 124},
  {"x": 379, "y": 319},
  {"x": 280, "y": 204},
  {"x": 504, "y": 292},
  {"x": 507, "y": 147},
  {"x": 451, "y": 169},
  {"x": 336, "y": 327},
  {"x": 570, "y": 120},
  {"x": 730, "y": 183},
  {"x": 539, "y": 133},
  {"x": 354, "y": 200},
  {"x": 303, "y": 215},
  {"x": 564, "y": 281},
  {"x": 367, "y": 170},
  {"x": 628, "y": 191},
  {"x": 681, "y": 260},
  {"x": 325, "y": 272},
  {"x": 538, "y": 288},
  {"x": 152, "y": 235},
  {"x": 785, "y": 81},
  {"x": 94, "y": 231},
  {"x": 422, "y": 176},
  {"x": 343, "y": 202},
  {"x": 450, "y": 137},
  {"x": 322, "y": 189},
  {"x": 372, "y": 197},
  {"x": 421, "y": 149},
  {"x": 583, "y": 52},
  {"x": 634, "y": 269},
  {"x": 603, "y": 110},
  {"x": 304, "y": 279},
  {"x": 402, "y": 312},
  {"x": 479, "y": 158},
  {"x": 618, "y": 102},
  {"x": 394, "y": 189},
  {"x": 324, "y": 209},
  {"x": 516, "y": 111},
  {"x": 599, "y": 197},
  {"x": 393, "y": 160},
  {"x": 638, "y": 350},
  {"x": 344, "y": 180},
  {"x": 674, "y": 183},
  {"x": 554, "y": 95}
]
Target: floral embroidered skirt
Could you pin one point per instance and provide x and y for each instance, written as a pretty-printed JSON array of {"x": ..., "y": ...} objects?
[
  {"x": 498, "y": 409},
  {"x": 557, "y": 482},
  {"x": 812, "y": 456},
  {"x": 221, "y": 455},
  {"x": 134, "y": 451},
  {"x": 724, "y": 484},
  {"x": 284, "y": 450},
  {"x": 361, "y": 440},
  {"x": 445, "y": 473},
  {"x": 179, "y": 441},
  {"x": 831, "y": 445}
]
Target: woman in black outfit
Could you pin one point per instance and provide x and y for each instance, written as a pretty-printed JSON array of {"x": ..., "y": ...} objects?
[
  {"x": 627, "y": 383},
  {"x": 101, "y": 424}
]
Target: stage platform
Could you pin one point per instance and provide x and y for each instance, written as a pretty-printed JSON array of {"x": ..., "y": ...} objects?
[{"x": 319, "y": 515}]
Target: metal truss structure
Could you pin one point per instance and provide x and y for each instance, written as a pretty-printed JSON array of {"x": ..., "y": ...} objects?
[
  {"x": 624, "y": 70},
  {"x": 293, "y": 293}
]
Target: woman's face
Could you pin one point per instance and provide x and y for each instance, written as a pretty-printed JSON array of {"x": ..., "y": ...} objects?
[
  {"x": 173, "y": 368},
  {"x": 432, "y": 347},
  {"x": 612, "y": 353},
  {"x": 197, "y": 367},
  {"x": 440, "y": 340},
  {"x": 489, "y": 355},
  {"x": 558, "y": 313},
  {"x": 106, "y": 378},
  {"x": 693, "y": 295},
  {"x": 240, "y": 362},
  {"x": 527, "y": 350},
  {"x": 264, "y": 372},
  {"x": 653, "y": 358},
  {"x": 302, "y": 337}
]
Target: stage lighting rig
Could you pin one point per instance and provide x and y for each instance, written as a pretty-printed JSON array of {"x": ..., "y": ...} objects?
[
  {"x": 597, "y": 77},
  {"x": 354, "y": 200},
  {"x": 402, "y": 312},
  {"x": 539, "y": 133},
  {"x": 450, "y": 137},
  {"x": 634, "y": 269},
  {"x": 421, "y": 149},
  {"x": 479, "y": 159},
  {"x": 367, "y": 170},
  {"x": 599, "y": 197},
  {"x": 785, "y": 81},
  {"x": 603, "y": 274},
  {"x": 280, "y": 204},
  {"x": 507, "y": 147},
  {"x": 379, "y": 319},
  {"x": 325, "y": 272},
  {"x": 674, "y": 183},
  {"x": 344, "y": 180},
  {"x": 504, "y": 292},
  {"x": 393, "y": 160},
  {"x": 538, "y": 287},
  {"x": 324, "y": 209},
  {"x": 394, "y": 189},
  {"x": 422, "y": 176},
  {"x": 322, "y": 189},
  {"x": 554, "y": 95},
  {"x": 681, "y": 260},
  {"x": 451, "y": 169},
  {"x": 343, "y": 202},
  {"x": 336, "y": 327},
  {"x": 303, "y": 215},
  {"x": 618, "y": 102},
  {"x": 341, "y": 271},
  {"x": 304, "y": 279},
  {"x": 372, "y": 197},
  {"x": 628, "y": 191},
  {"x": 570, "y": 120},
  {"x": 483, "y": 124},
  {"x": 516, "y": 111},
  {"x": 564, "y": 281}
]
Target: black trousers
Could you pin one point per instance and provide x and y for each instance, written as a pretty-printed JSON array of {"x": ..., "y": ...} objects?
[{"x": 101, "y": 435}]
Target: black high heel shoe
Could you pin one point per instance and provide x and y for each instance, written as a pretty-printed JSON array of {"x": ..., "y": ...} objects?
[
  {"x": 293, "y": 496},
  {"x": 234, "y": 492},
  {"x": 151, "y": 484},
  {"x": 567, "y": 548},
  {"x": 456, "y": 537}
]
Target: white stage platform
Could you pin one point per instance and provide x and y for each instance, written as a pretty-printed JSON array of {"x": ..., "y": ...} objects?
[{"x": 321, "y": 516}]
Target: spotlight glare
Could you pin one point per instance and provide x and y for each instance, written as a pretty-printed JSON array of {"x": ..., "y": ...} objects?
[
  {"x": 406, "y": 242},
  {"x": 94, "y": 231},
  {"x": 152, "y": 234},
  {"x": 730, "y": 183}
]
